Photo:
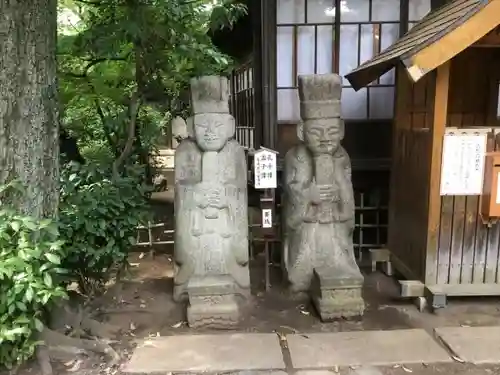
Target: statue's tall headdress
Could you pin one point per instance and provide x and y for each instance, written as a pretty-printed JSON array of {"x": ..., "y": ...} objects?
[
  {"x": 319, "y": 96},
  {"x": 210, "y": 94}
]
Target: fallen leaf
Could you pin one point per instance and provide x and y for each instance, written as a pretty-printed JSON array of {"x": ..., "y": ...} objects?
[
  {"x": 178, "y": 325},
  {"x": 76, "y": 366},
  {"x": 396, "y": 366},
  {"x": 142, "y": 306},
  {"x": 141, "y": 255},
  {"x": 281, "y": 336},
  {"x": 134, "y": 264},
  {"x": 406, "y": 369},
  {"x": 70, "y": 363},
  {"x": 305, "y": 312}
]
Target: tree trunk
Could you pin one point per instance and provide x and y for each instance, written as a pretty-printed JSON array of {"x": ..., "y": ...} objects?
[{"x": 29, "y": 121}]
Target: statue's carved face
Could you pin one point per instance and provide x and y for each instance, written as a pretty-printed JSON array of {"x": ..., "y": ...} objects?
[
  {"x": 212, "y": 132},
  {"x": 323, "y": 136}
]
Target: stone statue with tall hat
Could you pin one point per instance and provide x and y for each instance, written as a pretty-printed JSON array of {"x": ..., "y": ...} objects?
[
  {"x": 211, "y": 238},
  {"x": 319, "y": 205}
]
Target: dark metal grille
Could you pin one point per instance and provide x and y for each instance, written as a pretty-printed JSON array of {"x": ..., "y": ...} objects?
[
  {"x": 370, "y": 231},
  {"x": 242, "y": 104}
]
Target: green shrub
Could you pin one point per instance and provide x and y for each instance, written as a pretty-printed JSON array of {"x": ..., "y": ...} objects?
[
  {"x": 98, "y": 220},
  {"x": 30, "y": 257}
]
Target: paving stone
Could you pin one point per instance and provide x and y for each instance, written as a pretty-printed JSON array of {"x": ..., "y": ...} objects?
[
  {"x": 207, "y": 353},
  {"x": 366, "y": 371},
  {"x": 367, "y": 348},
  {"x": 477, "y": 345}
]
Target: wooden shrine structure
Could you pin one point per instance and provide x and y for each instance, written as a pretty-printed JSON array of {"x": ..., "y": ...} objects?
[{"x": 447, "y": 85}]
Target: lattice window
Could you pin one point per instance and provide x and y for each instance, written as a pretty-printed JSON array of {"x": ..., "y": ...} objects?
[
  {"x": 307, "y": 44},
  {"x": 242, "y": 104}
]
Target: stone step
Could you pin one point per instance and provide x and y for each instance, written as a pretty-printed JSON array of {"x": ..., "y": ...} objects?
[
  {"x": 207, "y": 353},
  {"x": 365, "y": 348},
  {"x": 253, "y": 352},
  {"x": 475, "y": 345}
]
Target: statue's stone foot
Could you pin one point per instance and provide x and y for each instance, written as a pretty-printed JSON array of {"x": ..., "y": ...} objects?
[
  {"x": 213, "y": 311},
  {"x": 338, "y": 296},
  {"x": 212, "y": 302}
]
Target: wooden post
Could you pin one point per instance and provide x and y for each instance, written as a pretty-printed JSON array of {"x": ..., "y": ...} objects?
[{"x": 434, "y": 204}]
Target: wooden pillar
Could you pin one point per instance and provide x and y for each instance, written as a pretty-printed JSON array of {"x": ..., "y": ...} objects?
[{"x": 436, "y": 144}]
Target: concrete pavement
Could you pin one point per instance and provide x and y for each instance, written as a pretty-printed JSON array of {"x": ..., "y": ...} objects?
[{"x": 355, "y": 353}]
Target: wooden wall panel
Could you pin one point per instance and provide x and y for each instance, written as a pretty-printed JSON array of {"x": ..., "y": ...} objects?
[
  {"x": 468, "y": 249},
  {"x": 410, "y": 174}
]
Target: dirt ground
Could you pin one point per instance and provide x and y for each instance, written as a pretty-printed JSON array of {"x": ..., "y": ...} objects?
[{"x": 141, "y": 305}]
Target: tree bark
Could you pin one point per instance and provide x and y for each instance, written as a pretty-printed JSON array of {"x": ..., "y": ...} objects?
[{"x": 29, "y": 120}]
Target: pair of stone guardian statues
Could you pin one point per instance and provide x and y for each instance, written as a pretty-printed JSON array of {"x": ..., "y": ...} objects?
[{"x": 211, "y": 243}]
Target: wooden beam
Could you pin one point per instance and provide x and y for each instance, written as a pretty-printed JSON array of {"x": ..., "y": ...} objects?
[
  {"x": 492, "y": 39},
  {"x": 464, "y": 36},
  {"x": 434, "y": 203}
]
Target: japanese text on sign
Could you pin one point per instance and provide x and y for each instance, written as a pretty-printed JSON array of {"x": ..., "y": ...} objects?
[
  {"x": 462, "y": 168},
  {"x": 267, "y": 218},
  {"x": 265, "y": 169}
]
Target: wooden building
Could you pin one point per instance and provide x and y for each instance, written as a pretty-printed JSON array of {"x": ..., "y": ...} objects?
[
  {"x": 281, "y": 39},
  {"x": 447, "y": 76}
]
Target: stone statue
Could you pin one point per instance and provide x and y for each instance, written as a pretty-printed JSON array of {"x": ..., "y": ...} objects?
[
  {"x": 179, "y": 131},
  {"x": 319, "y": 204},
  {"x": 211, "y": 238}
]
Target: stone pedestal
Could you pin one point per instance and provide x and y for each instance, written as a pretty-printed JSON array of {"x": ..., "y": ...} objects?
[
  {"x": 212, "y": 303},
  {"x": 337, "y": 296}
]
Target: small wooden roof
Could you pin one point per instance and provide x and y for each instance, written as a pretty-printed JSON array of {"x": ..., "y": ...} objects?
[{"x": 437, "y": 38}]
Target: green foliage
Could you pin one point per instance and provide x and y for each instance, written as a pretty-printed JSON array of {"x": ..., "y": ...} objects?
[
  {"x": 30, "y": 258},
  {"x": 116, "y": 47},
  {"x": 98, "y": 220}
]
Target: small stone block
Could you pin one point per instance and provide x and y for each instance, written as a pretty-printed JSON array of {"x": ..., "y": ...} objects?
[
  {"x": 210, "y": 285},
  {"x": 336, "y": 298},
  {"x": 207, "y": 353},
  {"x": 367, "y": 348},
  {"x": 380, "y": 255},
  {"x": 387, "y": 269},
  {"x": 217, "y": 311},
  {"x": 329, "y": 279},
  {"x": 477, "y": 345},
  {"x": 411, "y": 288}
]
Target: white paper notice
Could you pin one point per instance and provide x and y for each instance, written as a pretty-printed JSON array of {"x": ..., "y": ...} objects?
[
  {"x": 267, "y": 218},
  {"x": 462, "y": 167},
  {"x": 265, "y": 173}
]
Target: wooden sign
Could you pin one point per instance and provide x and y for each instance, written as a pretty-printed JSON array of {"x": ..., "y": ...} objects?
[
  {"x": 462, "y": 168},
  {"x": 265, "y": 169},
  {"x": 267, "y": 218}
]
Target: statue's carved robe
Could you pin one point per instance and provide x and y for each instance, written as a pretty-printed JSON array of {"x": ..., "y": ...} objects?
[
  {"x": 211, "y": 236},
  {"x": 311, "y": 241}
]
